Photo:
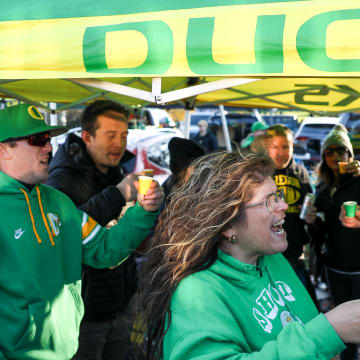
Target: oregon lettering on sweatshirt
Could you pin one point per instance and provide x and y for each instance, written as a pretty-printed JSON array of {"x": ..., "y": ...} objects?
[{"x": 271, "y": 303}]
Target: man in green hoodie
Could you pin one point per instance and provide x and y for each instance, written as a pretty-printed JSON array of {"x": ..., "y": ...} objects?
[{"x": 44, "y": 239}]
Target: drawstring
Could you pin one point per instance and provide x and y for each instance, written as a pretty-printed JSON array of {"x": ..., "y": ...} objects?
[
  {"x": 42, "y": 214},
  {"x": 31, "y": 216},
  {"x": 44, "y": 218},
  {"x": 258, "y": 268}
]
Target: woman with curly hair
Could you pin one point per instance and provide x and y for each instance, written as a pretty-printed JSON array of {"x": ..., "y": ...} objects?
[{"x": 215, "y": 285}]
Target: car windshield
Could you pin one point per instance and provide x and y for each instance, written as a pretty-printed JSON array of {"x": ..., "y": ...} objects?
[{"x": 318, "y": 127}]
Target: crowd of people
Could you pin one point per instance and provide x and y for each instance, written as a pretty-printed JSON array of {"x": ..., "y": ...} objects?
[{"x": 220, "y": 244}]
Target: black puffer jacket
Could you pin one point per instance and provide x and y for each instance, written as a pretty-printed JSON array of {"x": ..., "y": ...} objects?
[
  {"x": 106, "y": 292},
  {"x": 343, "y": 244},
  {"x": 294, "y": 179}
]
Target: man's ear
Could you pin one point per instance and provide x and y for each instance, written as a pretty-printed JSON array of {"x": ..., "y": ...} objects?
[
  {"x": 86, "y": 137},
  {"x": 4, "y": 152}
]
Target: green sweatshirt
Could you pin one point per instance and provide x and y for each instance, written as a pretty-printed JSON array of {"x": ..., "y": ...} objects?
[
  {"x": 44, "y": 239},
  {"x": 238, "y": 311}
]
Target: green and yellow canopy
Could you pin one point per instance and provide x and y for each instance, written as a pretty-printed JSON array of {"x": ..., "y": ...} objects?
[{"x": 302, "y": 53}]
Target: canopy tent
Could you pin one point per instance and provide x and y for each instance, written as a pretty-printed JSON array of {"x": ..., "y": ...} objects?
[
  {"x": 305, "y": 52},
  {"x": 300, "y": 54}
]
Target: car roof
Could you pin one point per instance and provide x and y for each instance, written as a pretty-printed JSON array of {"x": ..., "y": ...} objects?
[{"x": 320, "y": 120}]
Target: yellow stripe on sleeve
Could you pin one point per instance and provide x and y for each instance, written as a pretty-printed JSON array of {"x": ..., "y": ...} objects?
[{"x": 88, "y": 227}]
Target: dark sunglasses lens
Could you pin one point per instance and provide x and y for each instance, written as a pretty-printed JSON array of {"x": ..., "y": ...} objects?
[
  {"x": 340, "y": 151},
  {"x": 39, "y": 139}
]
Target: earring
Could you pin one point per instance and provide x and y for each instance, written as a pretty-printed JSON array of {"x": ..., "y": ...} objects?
[{"x": 232, "y": 239}]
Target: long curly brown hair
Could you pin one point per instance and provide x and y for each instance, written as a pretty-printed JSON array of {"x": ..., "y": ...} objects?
[{"x": 190, "y": 229}]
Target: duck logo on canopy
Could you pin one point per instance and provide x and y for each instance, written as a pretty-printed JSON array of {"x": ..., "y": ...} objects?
[{"x": 34, "y": 113}]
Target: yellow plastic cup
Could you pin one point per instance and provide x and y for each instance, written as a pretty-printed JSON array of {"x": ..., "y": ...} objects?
[
  {"x": 144, "y": 184},
  {"x": 342, "y": 167},
  {"x": 148, "y": 172}
]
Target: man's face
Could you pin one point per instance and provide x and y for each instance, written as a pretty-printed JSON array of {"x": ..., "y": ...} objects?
[
  {"x": 27, "y": 163},
  {"x": 280, "y": 149},
  {"x": 108, "y": 145}
]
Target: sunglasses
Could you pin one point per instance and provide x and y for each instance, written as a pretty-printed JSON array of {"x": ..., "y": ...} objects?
[
  {"x": 339, "y": 150},
  {"x": 34, "y": 140}
]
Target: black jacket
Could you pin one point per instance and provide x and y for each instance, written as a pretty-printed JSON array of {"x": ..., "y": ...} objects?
[
  {"x": 106, "y": 292},
  {"x": 294, "y": 179},
  {"x": 208, "y": 142},
  {"x": 342, "y": 243}
]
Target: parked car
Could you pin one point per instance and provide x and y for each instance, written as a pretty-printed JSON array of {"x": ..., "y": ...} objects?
[
  {"x": 354, "y": 134},
  {"x": 309, "y": 138},
  {"x": 287, "y": 120},
  {"x": 348, "y": 119},
  {"x": 352, "y": 122},
  {"x": 150, "y": 148}
]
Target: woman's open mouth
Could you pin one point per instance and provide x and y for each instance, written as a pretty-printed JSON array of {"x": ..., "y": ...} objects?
[{"x": 277, "y": 227}]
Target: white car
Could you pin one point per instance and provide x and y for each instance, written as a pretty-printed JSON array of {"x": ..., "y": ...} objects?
[
  {"x": 309, "y": 138},
  {"x": 150, "y": 147}
]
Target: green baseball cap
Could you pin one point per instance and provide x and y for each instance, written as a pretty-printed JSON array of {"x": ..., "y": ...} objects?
[
  {"x": 22, "y": 120},
  {"x": 257, "y": 128}
]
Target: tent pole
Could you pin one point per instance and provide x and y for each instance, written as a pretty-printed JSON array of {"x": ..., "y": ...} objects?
[
  {"x": 156, "y": 89},
  {"x": 53, "y": 121},
  {"x": 187, "y": 124},
  {"x": 225, "y": 128}
]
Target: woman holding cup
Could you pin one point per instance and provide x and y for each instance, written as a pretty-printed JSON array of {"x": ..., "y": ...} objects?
[{"x": 339, "y": 183}]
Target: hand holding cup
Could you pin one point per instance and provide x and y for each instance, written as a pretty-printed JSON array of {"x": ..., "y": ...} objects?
[
  {"x": 150, "y": 193},
  {"x": 350, "y": 221},
  {"x": 352, "y": 167}
]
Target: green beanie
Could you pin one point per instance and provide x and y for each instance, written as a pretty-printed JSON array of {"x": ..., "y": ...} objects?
[
  {"x": 22, "y": 120},
  {"x": 338, "y": 136}
]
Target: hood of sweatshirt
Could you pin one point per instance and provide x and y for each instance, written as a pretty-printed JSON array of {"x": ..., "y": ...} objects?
[
  {"x": 234, "y": 270},
  {"x": 10, "y": 186}
]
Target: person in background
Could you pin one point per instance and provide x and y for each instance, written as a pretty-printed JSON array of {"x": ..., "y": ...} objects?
[
  {"x": 205, "y": 138},
  {"x": 342, "y": 255},
  {"x": 182, "y": 153},
  {"x": 255, "y": 141},
  {"x": 293, "y": 178},
  {"x": 44, "y": 240},
  {"x": 87, "y": 170},
  {"x": 216, "y": 286}
]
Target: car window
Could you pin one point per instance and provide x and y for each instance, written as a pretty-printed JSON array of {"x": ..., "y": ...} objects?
[
  {"x": 289, "y": 121},
  {"x": 159, "y": 154},
  {"x": 195, "y": 118},
  {"x": 318, "y": 126}
]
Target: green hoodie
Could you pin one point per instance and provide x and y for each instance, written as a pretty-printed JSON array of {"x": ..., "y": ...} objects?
[
  {"x": 238, "y": 311},
  {"x": 44, "y": 239}
]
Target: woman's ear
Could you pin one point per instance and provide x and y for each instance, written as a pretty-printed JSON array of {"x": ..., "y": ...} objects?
[{"x": 228, "y": 233}]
